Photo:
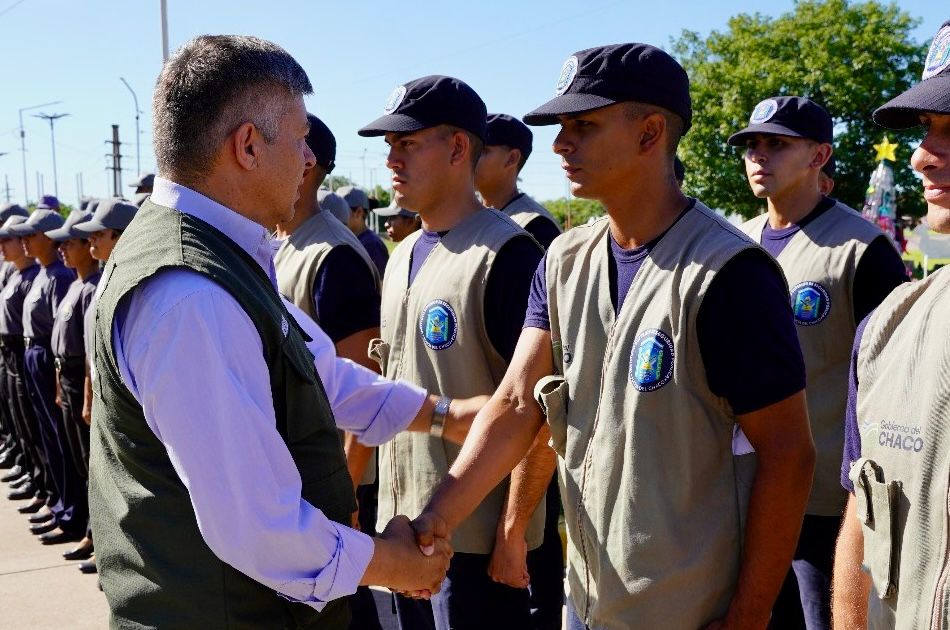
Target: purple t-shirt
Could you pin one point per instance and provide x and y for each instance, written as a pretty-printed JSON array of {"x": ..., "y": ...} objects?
[
  {"x": 759, "y": 338},
  {"x": 506, "y": 290},
  {"x": 852, "y": 434},
  {"x": 345, "y": 295},
  {"x": 376, "y": 249}
]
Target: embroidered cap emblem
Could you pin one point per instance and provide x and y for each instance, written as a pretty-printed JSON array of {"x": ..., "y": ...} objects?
[
  {"x": 568, "y": 72},
  {"x": 395, "y": 99},
  {"x": 938, "y": 58},
  {"x": 438, "y": 325},
  {"x": 651, "y": 360},
  {"x": 810, "y": 303},
  {"x": 763, "y": 112}
]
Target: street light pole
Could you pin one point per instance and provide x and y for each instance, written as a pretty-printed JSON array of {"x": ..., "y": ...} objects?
[
  {"x": 138, "y": 164},
  {"x": 164, "y": 8},
  {"x": 26, "y": 190},
  {"x": 52, "y": 136}
]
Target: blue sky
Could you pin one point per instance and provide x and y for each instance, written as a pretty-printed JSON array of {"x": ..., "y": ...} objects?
[{"x": 355, "y": 54}]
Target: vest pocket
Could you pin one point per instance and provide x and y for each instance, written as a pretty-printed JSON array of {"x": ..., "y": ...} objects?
[
  {"x": 551, "y": 393},
  {"x": 876, "y": 502},
  {"x": 379, "y": 351}
]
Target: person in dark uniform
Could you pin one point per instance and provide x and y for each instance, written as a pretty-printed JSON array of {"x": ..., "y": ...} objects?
[
  {"x": 32, "y": 482},
  {"x": 11, "y": 454},
  {"x": 69, "y": 352},
  {"x": 358, "y": 201},
  {"x": 46, "y": 293},
  {"x": 505, "y": 153}
]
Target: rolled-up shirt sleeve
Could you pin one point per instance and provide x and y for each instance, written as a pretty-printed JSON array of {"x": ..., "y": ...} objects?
[
  {"x": 372, "y": 407},
  {"x": 194, "y": 360}
]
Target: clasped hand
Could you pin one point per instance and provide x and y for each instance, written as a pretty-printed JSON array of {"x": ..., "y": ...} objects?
[{"x": 417, "y": 569}]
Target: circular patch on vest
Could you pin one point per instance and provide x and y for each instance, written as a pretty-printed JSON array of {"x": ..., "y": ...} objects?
[
  {"x": 438, "y": 325},
  {"x": 651, "y": 360},
  {"x": 568, "y": 72},
  {"x": 810, "y": 303}
]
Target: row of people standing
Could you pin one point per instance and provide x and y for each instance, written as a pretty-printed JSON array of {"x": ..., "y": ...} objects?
[{"x": 50, "y": 273}]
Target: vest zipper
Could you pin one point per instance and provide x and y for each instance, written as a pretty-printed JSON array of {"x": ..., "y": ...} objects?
[
  {"x": 938, "y": 618},
  {"x": 585, "y": 469}
]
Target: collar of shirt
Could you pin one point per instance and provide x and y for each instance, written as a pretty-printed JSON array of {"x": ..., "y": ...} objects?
[{"x": 250, "y": 236}]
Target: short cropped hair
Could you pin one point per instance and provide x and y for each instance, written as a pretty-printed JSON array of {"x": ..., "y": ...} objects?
[
  {"x": 674, "y": 123},
  {"x": 211, "y": 86},
  {"x": 474, "y": 142}
]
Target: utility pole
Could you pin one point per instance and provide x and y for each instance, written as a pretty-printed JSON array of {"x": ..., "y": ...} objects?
[
  {"x": 26, "y": 190},
  {"x": 79, "y": 187},
  {"x": 363, "y": 159},
  {"x": 116, "y": 167},
  {"x": 39, "y": 185},
  {"x": 52, "y": 136},
  {"x": 138, "y": 163},
  {"x": 164, "y": 9},
  {"x": 6, "y": 187}
]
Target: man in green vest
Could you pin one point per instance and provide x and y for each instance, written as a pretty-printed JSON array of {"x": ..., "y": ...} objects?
[
  {"x": 651, "y": 336},
  {"x": 218, "y": 486},
  {"x": 452, "y": 297},
  {"x": 839, "y": 267},
  {"x": 891, "y": 563}
]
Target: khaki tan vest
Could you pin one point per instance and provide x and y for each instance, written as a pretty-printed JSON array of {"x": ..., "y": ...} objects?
[
  {"x": 819, "y": 263},
  {"x": 525, "y": 209},
  {"x": 654, "y": 505},
  {"x": 434, "y": 335},
  {"x": 901, "y": 481},
  {"x": 300, "y": 256}
]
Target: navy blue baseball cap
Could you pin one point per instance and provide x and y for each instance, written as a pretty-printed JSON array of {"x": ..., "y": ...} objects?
[
  {"x": 598, "y": 77},
  {"x": 16, "y": 219},
  {"x": 793, "y": 116},
  {"x": 67, "y": 232},
  {"x": 505, "y": 130},
  {"x": 322, "y": 142},
  {"x": 42, "y": 220},
  {"x": 932, "y": 94},
  {"x": 111, "y": 214},
  {"x": 8, "y": 210},
  {"x": 428, "y": 102}
]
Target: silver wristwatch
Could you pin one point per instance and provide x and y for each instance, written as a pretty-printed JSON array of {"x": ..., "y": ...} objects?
[{"x": 438, "y": 416}]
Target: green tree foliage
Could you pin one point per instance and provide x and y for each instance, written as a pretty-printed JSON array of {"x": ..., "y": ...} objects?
[
  {"x": 570, "y": 213},
  {"x": 849, "y": 57},
  {"x": 381, "y": 195}
]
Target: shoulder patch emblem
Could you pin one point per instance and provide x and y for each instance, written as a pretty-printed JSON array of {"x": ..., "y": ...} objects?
[
  {"x": 763, "y": 112},
  {"x": 938, "y": 57},
  {"x": 395, "y": 99},
  {"x": 438, "y": 325},
  {"x": 651, "y": 360},
  {"x": 810, "y": 303},
  {"x": 568, "y": 72}
]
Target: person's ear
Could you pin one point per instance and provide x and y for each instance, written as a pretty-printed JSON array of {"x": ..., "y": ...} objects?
[
  {"x": 514, "y": 157},
  {"x": 461, "y": 145},
  {"x": 652, "y": 129},
  {"x": 821, "y": 155},
  {"x": 244, "y": 145}
]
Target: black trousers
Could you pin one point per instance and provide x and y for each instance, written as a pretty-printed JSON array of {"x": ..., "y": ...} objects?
[
  {"x": 21, "y": 410},
  {"x": 9, "y": 432},
  {"x": 72, "y": 378},
  {"x": 41, "y": 385},
  {"x": 546, "y": 567}
]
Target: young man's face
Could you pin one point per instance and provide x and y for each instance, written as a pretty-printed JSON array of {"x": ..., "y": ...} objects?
[
  {"x": 75, "y": 252},
  {"x": 399, "y": 227},
  {"x": 101, "y": 243},
  {"x": 11, "y": 248},
  {"x": 417, "y": 160},
  {"x": 37, "y": 245},
  {"x": 599, "y": 150},
  {"x": 775, "y": 165},
  {"x": 932, "y": 161}
]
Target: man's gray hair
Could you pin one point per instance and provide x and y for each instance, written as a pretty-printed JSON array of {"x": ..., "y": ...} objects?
[{"x": 211, "y": 86}]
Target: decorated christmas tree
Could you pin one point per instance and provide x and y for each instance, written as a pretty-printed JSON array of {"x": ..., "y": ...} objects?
[{"x": 880, "y": 205}]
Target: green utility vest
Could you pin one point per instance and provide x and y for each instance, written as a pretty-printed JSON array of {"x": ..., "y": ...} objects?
[
  {"x": 654, "y": 503},
  {"x": 524, "y": 210},
  {"x": 434, "y": 335},
  {"x": 819, "y": 264},
  {"x": 901, "y": 481},
  {"x": 154, "y": 566},
  {"x": 300, "y": 257}
]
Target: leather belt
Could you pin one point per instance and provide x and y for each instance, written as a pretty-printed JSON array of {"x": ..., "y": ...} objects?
[
  {"x": 67, "y": 362},
  {"x": 29, "y": 342}
]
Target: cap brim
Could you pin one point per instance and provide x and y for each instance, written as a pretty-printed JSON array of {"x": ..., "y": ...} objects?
[
  {"x": 59, "y": 235},
  {"x": 89, "y": 227},
  {"x": 904, "y": 110},
  {"x": 391, "y": 123},
  {"x": 774, "y": 129},
  {"x": 565, "y": 104},
  {"x": 22, "y": 230}
]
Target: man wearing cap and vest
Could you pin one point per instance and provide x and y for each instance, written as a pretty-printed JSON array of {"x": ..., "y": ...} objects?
[
  {"x": 651, "y": 334},
  {"x": 11, "y": 453},
  {"x": 399, "y": 222},
  {"x": 839, "y": 267},
  {"x": 68, "y": 349},
  {"x": 324, "y": 270},
  {"x": 447, "y": 325},
  {"x": 891, "y": 562},
  {"x": 33, "y": 481},
  {"x": 505, "y": 153},
  {"x": 358, "y": 202},
  {"x": 205, "y": 374},
  {"x": 40, "y": 305}
]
